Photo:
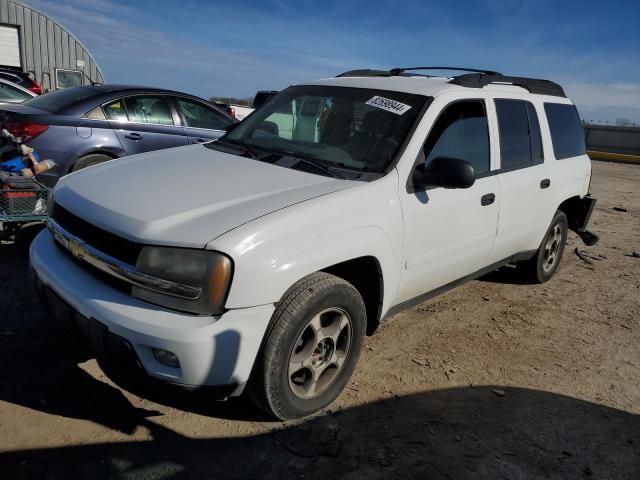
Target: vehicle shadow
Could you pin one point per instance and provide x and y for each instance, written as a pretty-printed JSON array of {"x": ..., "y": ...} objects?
[
  {"x": 508, "y": 274},
  {"x": 456, "y": 433}
]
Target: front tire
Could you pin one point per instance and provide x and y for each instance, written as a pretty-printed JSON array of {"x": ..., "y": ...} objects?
[
  {"x": 546, "y": 261},
  {"x": 311, "y": 347}
]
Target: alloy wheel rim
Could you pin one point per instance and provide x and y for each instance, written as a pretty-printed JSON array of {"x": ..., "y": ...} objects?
[
  {"x": 319, "y": 353},
  {"x": 552, "y": 249}
]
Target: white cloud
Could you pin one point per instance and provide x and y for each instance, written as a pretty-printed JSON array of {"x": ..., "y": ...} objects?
[{"x": 605, "y": 95}]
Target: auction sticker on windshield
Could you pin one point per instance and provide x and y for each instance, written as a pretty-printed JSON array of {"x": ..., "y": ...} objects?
[{"x": 389, "y": 105}]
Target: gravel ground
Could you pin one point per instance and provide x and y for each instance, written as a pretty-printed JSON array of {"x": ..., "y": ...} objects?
[{"x": 495, "y": 379}]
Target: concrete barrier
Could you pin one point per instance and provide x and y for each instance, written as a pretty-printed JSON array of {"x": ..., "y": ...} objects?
[{"x": 613, "y": 157}]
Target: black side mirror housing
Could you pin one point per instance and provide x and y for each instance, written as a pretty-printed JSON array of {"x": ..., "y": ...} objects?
[{"x": 444, "y": 172}]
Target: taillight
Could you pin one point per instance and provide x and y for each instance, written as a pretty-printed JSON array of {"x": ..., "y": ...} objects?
[
  {"x": 232, "y": 112},
  {"x": 26, "y": 130},
  {"x": 35, "y": 88}
]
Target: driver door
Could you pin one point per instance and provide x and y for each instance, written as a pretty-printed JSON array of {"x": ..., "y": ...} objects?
[{"x": 449, "y": 233}]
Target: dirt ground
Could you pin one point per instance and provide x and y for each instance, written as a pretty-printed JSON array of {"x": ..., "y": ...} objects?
[{"x": 493, "y": 380}]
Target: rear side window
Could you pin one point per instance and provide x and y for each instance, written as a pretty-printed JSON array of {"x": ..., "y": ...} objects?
[
  {"x": 520, "y": 140},
  {"x": 143, "y": 109},
  {"x": 566, "y": 131},
  {"x": 461, "y": 132},
  {"x": 149, "y": 109}
]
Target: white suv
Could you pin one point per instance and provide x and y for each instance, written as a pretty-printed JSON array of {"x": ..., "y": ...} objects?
[{"x": 262, "y": 259}]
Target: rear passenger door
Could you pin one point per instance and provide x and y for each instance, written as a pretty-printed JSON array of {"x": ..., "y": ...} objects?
[
  {"x": 145, "y": 122},
  {"x": 524, "y": 179},
  {"x": 202, "y": 122}
]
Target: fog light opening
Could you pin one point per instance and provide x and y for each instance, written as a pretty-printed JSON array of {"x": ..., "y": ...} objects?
[{"x": 165, "y": 357}]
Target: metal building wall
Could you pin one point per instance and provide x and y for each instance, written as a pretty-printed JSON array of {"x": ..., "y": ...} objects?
[
  {"x": 45, "y": 45},
  {"x": 613, "y": 139}
]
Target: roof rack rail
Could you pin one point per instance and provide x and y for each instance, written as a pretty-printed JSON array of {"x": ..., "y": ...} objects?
[
  {"x": 398, "y": 71},
  {"x": 474, "y": 79},
  {"x": 533, "y": 85},
  {"x": 365, "y": 72}
]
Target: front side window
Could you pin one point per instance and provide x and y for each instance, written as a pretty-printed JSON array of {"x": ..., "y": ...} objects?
[
  {"x": 197, "y": 115},
  {"x": 520, "y": 140},
  {"x": 332, "y": 127},
  {"x": 11, "y": 94},
  {"x": 461, "y": 132},
  {"x": 567, "y": 135},
  {"x": 143, "y": 109}
]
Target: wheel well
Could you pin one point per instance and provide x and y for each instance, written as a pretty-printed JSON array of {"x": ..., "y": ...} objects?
[
  {"x": 571, "y": 208},
  {"x": 98, "y": 152},
  {"x": 365, "y": 275}
]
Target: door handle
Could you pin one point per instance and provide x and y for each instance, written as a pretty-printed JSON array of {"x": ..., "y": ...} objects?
[
  {"x": 200, "y": 140},
  {"x": 546, "y": 183},
  {"x": 133, "y": 136},
  {"x": 487, "y": 199}
]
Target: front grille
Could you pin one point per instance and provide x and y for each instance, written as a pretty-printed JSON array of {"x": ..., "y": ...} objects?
[
  {"x": 104, "y": 277},
  {"x": 113, "y": 245}
]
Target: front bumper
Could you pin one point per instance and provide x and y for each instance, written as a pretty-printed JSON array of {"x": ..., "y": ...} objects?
[{"x": 213, "y": 351}]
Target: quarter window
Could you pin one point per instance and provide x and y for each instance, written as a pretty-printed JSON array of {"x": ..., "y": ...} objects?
[
  {"x": 461, "y": 132},
  {"x": 520, "y": 139},
  {"x": 567, "y": 135},
  {"x": 198, "y": 115}
]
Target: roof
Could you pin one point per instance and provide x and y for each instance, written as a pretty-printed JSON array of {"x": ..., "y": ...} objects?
[{"x": 100, "y": 88}]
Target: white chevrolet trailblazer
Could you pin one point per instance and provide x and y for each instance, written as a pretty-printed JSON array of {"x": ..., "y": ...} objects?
[{"x": 262, "y": 259}]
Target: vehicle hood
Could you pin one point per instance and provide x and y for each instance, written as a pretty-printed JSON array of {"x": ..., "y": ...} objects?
[{"x": 185, "y": 196}]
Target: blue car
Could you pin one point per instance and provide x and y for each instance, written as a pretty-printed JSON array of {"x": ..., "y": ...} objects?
[{"x": 82, "y": 126}]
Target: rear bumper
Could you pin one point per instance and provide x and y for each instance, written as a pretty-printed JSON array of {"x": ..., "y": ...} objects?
[
  {"x": 213, "y": 351},
  {"x": 579, "y": 219}
]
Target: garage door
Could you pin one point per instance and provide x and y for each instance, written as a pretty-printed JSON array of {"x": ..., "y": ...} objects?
[{"x": 9, "y": 46}]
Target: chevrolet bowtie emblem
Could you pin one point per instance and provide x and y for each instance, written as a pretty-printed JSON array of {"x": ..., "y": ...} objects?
[{"x": 76, "y": 248}]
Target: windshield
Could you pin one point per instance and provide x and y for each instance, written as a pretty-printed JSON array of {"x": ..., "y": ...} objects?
[{"x": 335, "y": 128}]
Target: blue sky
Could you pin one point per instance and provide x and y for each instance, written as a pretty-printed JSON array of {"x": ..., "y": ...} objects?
[{"x": 237, "y": 47}]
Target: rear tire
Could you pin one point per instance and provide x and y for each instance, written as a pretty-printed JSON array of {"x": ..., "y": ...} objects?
[
  {"x": 310, "y": 349},
  {"x": 90, "y": 161},
  {"x": 545, "y": 262}
]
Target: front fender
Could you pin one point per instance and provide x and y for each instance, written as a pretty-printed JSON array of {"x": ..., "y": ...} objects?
[{"x": 272, "y": 253}]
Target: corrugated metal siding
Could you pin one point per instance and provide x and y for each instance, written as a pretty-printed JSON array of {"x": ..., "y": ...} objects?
[{"x": 45, "y": 45}]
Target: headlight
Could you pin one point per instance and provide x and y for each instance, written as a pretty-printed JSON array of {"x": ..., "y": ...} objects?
[{"x": 209, "y": 271}]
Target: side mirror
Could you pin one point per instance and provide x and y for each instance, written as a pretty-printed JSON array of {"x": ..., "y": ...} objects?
[
  {"x": 269, "y": 127},
  {"x": 444, "y": 172}
]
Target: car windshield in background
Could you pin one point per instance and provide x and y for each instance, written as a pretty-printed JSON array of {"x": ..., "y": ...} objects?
[
  {"x": 59, "y": 100},
  {"x": 330, "y": 127}
]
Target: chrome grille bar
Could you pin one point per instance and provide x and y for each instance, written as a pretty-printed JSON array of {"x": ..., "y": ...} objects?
[{"x": 118, "y": 269}]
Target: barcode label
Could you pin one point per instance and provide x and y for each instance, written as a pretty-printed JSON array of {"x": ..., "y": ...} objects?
[{"x": 389, "y": 105}]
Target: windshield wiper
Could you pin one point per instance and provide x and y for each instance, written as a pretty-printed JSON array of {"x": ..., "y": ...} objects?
[
  {"x": 316, "y": 164},
  {"x": 241, "y": 143}
]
